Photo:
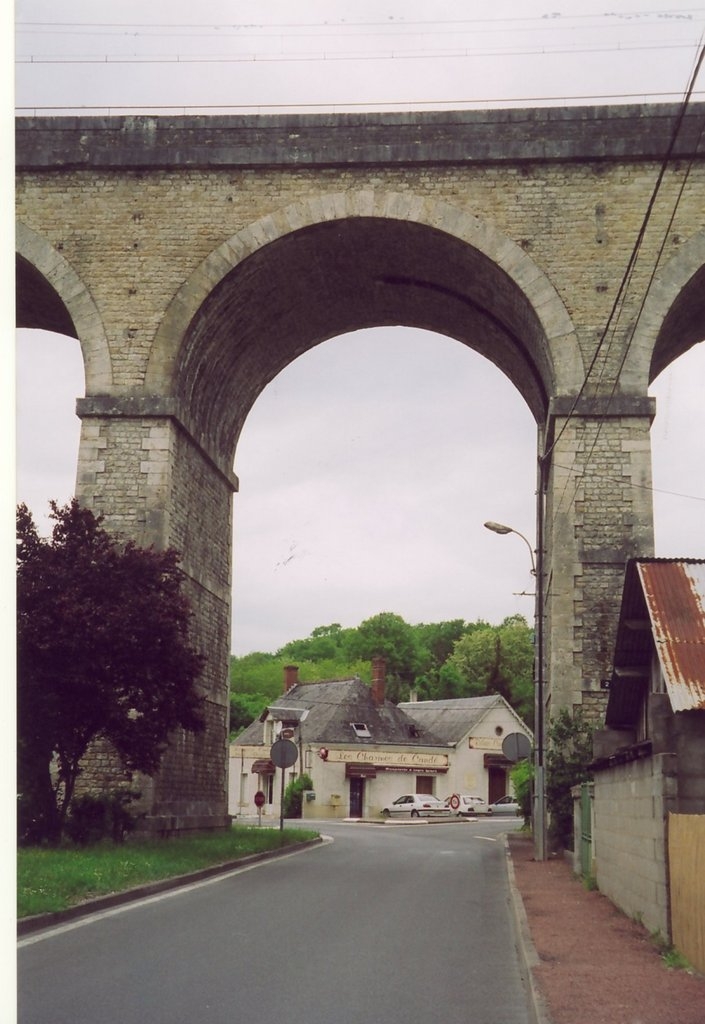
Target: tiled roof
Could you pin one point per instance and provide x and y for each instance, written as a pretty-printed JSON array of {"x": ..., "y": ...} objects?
[
  {"x": 451, "y": 720},
  {"x": 332, "y": 707}
]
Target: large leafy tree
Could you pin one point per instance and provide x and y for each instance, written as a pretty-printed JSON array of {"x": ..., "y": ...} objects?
[
  {"x": 388, "y": 635},
  {"x": 498, "y": 659},
  {"x": 103, "y": 653},
  {"x": 437, "y": 641}
]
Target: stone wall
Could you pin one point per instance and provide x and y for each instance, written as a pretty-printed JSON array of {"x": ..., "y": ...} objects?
[{"x": 631, "y": 806}]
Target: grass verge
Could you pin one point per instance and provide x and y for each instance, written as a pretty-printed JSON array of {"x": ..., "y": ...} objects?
[{"x": 54, "y": 879}]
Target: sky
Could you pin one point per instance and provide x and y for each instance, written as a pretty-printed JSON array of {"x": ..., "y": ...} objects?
[{"x": 366, "y": 467}]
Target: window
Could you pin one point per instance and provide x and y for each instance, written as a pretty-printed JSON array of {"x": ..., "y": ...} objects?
[{"x": 361, "y": 730}]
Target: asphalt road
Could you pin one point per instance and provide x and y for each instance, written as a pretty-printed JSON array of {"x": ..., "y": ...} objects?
[{"x": 400, "y": 924}]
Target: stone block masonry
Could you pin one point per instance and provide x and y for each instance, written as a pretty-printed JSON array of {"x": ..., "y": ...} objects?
[{"x": 196, "y": 257}]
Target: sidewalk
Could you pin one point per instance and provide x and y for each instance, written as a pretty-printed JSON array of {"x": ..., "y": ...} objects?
[{"x": 590, "y": 964}]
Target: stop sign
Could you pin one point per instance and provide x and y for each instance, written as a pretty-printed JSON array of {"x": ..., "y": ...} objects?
[{"x": 259, "y": 798}]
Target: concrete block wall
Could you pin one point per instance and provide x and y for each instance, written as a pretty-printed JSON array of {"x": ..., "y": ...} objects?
[{"x": 631, "y": 804}]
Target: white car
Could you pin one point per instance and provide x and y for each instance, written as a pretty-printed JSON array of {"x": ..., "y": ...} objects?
[
  {"x": 505, "y": 805},
  {"x": 416, "y": 805},
  {"x": 465, "y": 805}
]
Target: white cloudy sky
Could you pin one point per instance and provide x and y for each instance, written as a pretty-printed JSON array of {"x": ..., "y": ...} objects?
[{"x": 367, "y": 467}]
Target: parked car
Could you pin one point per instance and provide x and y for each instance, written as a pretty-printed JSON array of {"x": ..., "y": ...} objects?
[
  {"x": 416, "y": 805},
  {"x": 464, "y": 805},
  {"x": 505, "y": 805}
]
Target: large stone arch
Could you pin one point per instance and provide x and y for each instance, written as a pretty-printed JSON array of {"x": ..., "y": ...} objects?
[
  {"x": 507, "y": 230},
  {"x": 52, "y": 297},
  {"x": 342, "y": 262},
  {"x": 673, "y": 317}
]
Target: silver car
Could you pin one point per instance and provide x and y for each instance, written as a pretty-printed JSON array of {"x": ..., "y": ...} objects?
[
  {"x": 505, "y": 805},
  {"x": 416, "y": 805}
]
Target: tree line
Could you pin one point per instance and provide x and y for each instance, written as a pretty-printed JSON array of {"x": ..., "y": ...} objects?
[{"x": 438, "y": 661}]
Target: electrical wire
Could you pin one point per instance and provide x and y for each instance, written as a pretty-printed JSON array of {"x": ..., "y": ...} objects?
[{"x": 618, "y": 303}]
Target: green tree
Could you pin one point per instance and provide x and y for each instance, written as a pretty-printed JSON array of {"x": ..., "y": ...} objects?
[
  {"x": 436, "y": 641},
  {"x": 387, "y": 635},
  {"x": 293, "y": 795},
  {"x": 326, "y": 643},
  {"x": 522, "y": 776},
  {"x": 568, "y": 756},
  {"x": 257, "y": 673},
  {"x": 244, "y": 709},
  {"x": 103, "y": 653},
  {"x": 498, "y": 659}
]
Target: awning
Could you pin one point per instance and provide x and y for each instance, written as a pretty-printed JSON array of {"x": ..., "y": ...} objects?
[
  {"x": 360, "y": 771},
  {"x": 497, "y": 761},
  {"x": 263, "y": 766}
]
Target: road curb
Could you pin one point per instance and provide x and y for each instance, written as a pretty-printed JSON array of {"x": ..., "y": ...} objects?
[
  {"x": 38, "y": 922},
  {"x": 528, "y": 956}
]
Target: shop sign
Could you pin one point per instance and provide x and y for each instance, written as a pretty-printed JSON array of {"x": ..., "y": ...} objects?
[
  {"x": 485, "y": 742},
  {"x": 411, "y": 761}
]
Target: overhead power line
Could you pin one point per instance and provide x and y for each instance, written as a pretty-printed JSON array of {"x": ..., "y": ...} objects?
[{"x": 357, "y": 57}]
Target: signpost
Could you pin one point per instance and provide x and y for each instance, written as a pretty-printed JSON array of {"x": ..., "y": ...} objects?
[
  {"x": 517, "y": 747},
  {"x": 284, "y": 753},
  {"x": 259, "y": 804}
]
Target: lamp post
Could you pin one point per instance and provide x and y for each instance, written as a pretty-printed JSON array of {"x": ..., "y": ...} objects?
[
  {"x": 502, "y": 529},
  {"x": 539, "y": 815}
]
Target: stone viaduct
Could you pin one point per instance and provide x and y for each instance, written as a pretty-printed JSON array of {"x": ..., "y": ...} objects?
[{"x": 195, "y": 257}]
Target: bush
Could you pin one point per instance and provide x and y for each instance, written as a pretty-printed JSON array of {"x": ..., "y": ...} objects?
[
  {"x": 293, "y": 796},
  {"x": 567, "y": 759},
  {"x": 93, "y": 818},
  {"x": 522, "y": 776}
]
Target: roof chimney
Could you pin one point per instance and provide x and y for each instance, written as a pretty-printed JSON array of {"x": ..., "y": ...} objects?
[
  {"x": 379, "y": 680},
  {"x": 291, "y": 677}
]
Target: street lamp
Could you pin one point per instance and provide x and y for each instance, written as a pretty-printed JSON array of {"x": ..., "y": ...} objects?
[
  {"x": 501, "y": 528},
  {"x": 539, "y": 818}
]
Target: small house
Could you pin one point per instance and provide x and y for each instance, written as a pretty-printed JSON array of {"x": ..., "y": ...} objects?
[
  {"x": 649, "y": 767},
  {"x": 474, "y": 730}
]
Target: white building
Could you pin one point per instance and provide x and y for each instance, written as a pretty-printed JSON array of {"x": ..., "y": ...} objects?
[
  {"x": 361, "y": 751},
  {"x": 473, "y": 730}
]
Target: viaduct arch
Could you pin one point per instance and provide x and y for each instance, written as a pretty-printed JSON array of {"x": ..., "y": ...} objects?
[{"x": 194, "y": 258}]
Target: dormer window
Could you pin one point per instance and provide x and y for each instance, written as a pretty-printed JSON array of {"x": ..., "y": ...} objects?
[{"x": 361, "y": 730}]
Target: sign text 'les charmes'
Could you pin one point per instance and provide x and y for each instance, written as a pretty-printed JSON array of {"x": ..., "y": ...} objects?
[{"x": 411, "y": 759}]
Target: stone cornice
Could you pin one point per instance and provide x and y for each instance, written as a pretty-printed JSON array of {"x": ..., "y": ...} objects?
[{"x": 542, "y": 134}]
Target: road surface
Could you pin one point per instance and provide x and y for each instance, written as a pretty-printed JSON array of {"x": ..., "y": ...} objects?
[{"x": 400, "y": 924}]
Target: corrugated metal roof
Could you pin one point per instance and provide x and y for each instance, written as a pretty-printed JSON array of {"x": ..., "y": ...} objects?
[{"x": 675, "y": 598}]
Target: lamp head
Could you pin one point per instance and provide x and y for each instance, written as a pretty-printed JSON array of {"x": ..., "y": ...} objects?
[{"x": 498, "y": 527}]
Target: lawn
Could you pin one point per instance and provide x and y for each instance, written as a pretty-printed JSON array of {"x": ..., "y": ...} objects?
[{"x": 53, "y": 879}]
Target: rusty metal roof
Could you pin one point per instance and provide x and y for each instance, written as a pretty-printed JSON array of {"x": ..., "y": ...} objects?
[{"x": 674, "y": 591}]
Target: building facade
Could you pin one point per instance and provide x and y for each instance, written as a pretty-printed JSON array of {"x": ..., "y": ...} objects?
[{"x": 361, "y": 752}]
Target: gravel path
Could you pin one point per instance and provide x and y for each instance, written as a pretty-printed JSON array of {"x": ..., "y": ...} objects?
[{"x": 595, "y": 965}]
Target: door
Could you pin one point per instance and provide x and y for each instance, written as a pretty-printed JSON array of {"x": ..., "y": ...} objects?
[
  {"x": 496, "y": 783},
  {"x": 357, "y": 797}
]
